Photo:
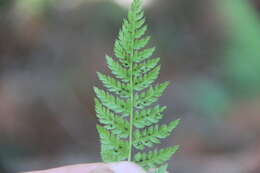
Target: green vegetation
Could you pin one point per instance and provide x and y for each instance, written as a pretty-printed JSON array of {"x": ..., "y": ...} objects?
[{"x": 130, "y": 122}]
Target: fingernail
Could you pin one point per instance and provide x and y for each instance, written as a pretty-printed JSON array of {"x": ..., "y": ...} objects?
[
  {"x": 102, "y": 169},
  {"x": 125, "y": 167}
]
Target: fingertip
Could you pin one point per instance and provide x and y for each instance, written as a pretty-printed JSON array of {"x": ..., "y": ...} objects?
[{"x": 125, "y": 167}]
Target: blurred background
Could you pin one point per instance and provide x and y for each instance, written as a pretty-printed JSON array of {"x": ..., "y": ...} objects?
[{"x": 50, "y": 51}]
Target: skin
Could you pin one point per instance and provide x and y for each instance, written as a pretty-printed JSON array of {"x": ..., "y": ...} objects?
[
  {"x": 81, "y": 168},
  {"x": 120, "y": 167}
]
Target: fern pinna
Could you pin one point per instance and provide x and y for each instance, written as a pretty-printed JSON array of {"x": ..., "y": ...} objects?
[{"x": 130, "y": 121}]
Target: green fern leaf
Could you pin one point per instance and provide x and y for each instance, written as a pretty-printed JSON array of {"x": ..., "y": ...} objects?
[
  {"x": 114, "y": 85},
  {"x": 113, "y": 149},
  {"x": 147, "y": 117},
  {"x": 144, "y": 54},
  {"x": 140, "y": 32},
  {"x": 142, "y": 68},
  {"x": 150, "y": 136},
  {"x": 161, "y": 169},
  {"x": 122, "y": 110},
  {"x": 140, "y": 23},
  {"x": 156, "y": 157},
  {"x": 112, "y": 102},
  {"x": 117, "y": 69},
  {"x": 115, "y": 123},
  {"x": 147, "y": 79},
  {"x": 139, "y": 44},
  {"x": 150, "y": 96}
]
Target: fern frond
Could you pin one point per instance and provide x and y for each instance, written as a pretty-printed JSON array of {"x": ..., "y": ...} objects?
[
  {"x": 147, "y": 79},
  {"x": 141, "y": 43},
  {"x": 143, "y": 55},
  {"x": 112, "y": 148},
  {"x": 156, "y": 157},
  {"x": 114, "y": 85},
  {"x": 150, "y": 136},
  {"x": 119, "y": 50},
  {"x": 142, "y": 68},
  {"x": 150, "y": 96},
  {"x": 118, "y": 125},
  {"x": 122, "y": 110},
  {"x": 161, "y": 169},
  {"x": 117, "y": 69},
  {"x": 140, "y": 32},
  {"x": 114, "y": 103},
  {"x": 147, "y": 117}
]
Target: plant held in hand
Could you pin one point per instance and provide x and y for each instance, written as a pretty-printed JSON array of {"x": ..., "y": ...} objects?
[{"x": 130, "y": 121}]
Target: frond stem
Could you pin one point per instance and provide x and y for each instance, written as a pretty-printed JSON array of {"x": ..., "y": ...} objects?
[
  {"x": 131, "y": 118},
  {"x": 131, "y": 103}
]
